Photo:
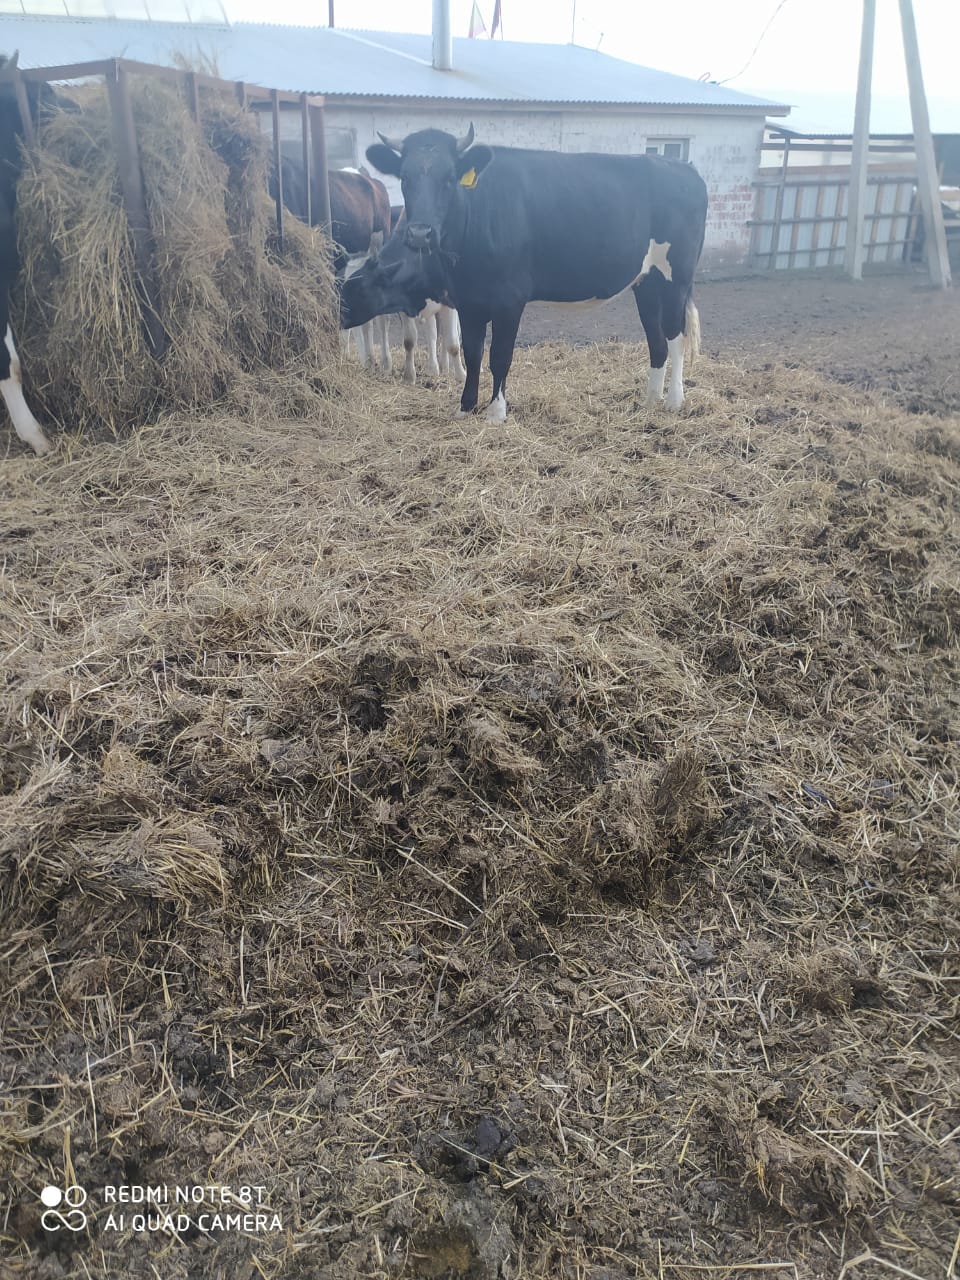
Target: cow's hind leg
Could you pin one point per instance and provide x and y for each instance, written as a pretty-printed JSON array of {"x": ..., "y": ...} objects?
[
  {"x": 647, "y": 294},
  {"x": 681, "y": 326},
  {"x": 502, "y": 342},
  {"x": 473, "y": 326},
  {"x": 11, "y": 388}
]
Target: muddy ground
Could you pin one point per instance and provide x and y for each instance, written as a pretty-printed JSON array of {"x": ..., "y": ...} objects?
[
  {"x": 890, "y": 331},
  {"x": 518, "y": 852}
]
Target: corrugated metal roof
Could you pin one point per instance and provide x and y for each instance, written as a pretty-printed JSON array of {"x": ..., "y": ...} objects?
[
  {"x": 352, "y": 64},
  {"x": 208, "y": 11}
]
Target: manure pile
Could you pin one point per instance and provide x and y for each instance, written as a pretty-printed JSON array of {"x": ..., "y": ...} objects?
[
  {"x": 251, "y": 331},
  {"x": 525, "y": 852}
]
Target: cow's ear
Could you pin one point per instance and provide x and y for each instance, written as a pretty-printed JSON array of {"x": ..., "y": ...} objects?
[
  {"x": 473, "y": 163},
  {"x": 384, "y": 159}
]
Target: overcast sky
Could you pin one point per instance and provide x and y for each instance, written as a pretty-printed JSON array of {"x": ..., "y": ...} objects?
[{"x": 808, "y": 55}]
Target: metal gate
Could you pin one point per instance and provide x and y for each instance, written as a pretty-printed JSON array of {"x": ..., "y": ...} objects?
[
  {"x": 802, "y": 222},
  {"x": 800, "y": 209}
]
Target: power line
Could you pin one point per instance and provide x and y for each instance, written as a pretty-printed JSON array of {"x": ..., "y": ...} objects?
[{"x": 757, "y": 45}]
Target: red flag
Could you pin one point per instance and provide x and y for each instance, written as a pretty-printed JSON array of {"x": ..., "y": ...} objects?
[
  {"x": 477, "y": 25},
  {"x": 496, "y": 21}
]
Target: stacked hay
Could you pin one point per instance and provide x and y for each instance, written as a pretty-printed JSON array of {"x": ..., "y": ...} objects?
[{"x": 248, "y": 327}]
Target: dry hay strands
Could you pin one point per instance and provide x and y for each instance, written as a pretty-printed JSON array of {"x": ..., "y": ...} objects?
[{"x": 251, "y": 330}]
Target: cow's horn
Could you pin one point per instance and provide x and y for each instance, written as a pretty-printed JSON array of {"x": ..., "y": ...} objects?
[
  {"x": 10, "y": 65},
  {"x": 395, "y": 144},
  {"x": 466, "y": 140}
]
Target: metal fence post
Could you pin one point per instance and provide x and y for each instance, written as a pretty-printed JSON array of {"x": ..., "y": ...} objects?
[
  {"x": 134, "y": 203},
  {"x": 277, "y": 165},
  {"x": 318, "y": 139}
]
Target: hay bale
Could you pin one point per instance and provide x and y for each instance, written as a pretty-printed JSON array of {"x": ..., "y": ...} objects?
[{"x": 250, "y": 329}]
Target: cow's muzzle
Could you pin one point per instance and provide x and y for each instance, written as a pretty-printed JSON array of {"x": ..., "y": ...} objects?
[{"x": 420, "y": 237}]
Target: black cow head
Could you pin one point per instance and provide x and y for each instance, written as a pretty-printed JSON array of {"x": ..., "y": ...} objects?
[
  {"x": 397, "y": 279},
  {"x": 431, "y": 166}
]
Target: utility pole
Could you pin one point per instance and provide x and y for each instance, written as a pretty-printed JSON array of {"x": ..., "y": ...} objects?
[
  {"x": 857, "y": 197},
  {"x": 330, "y": 21},
  {"x": 935, "y": 243}
]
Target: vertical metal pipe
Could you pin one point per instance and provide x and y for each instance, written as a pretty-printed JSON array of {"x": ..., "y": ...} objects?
[
  {"x": 277, "y": 165},
  {"x": 306, "y": 153},
  {"x": 134, "y": 203},
  {"x": 442, "y": 36},
  {"x": 318, "y": 140},
  {"x": 193, "y": 94},
  {"x": 23, "y": 102}
]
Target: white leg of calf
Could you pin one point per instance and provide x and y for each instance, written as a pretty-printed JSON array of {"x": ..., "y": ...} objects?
[
  {"x": 409, "y": 347},
  {"x": 364, "y": 337},
  {"x": 382, "y": 329},
  {"x": 24, "y": 423},
  {"x": 675, "y": 391},
  {"x": 449, "y": 323},
  {"x": 655, "y": 387},
  {"x": 497, "y": 409},
  {"x": 430, "y": 342}
]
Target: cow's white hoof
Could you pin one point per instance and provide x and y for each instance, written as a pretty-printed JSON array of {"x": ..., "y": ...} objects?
[
  {"x": 674, "y": 404},
  {"x": 464, "y": 413},
  {"x": 497, "y": 409}
]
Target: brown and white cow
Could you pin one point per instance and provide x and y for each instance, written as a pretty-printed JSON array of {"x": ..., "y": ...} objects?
[{"x": 359, "y": 225}]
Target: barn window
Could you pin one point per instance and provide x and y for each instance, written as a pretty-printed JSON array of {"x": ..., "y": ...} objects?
[
  {"x": 672, "y": 148},
  {"x": 341, "y": 148}
]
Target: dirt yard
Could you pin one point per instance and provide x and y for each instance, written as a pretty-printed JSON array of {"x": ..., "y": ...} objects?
[
  {"x": 454, "y": 852},
  {"x": 890, "y": 331}
]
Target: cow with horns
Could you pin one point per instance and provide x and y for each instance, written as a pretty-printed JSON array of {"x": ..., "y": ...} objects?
[
  {"x": 489, "y": 229},
  {"x": 39, "y": 97}
]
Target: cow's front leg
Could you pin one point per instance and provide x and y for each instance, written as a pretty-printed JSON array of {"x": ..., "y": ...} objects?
[
  {"x": 11, "y": 389},
  {"x": 381, "y": 328},
  {"x": 473, "y": 328},
  {"x": 502, "y": 343},
  {"x": 430, "y": 342},
  {"x": 449, "y": 325},
  {"x": 409, "y": 347}
]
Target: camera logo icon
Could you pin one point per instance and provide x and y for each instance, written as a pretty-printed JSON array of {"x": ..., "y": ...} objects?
[{"x": 64, "y": 1209}]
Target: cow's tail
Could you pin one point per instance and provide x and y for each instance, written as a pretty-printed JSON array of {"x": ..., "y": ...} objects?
[{"x": 691, "y": 332}]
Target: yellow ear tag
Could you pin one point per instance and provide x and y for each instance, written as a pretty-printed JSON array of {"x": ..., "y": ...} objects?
[{"x": 469, "y": 179}]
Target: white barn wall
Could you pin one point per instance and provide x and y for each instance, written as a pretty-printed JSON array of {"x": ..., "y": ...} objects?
[{"x": 724, "y": 148}]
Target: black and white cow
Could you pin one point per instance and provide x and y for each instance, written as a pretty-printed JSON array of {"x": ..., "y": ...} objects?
[
  {"x": 11, "y": 132},
  {"x": 490, "y": 229}
]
